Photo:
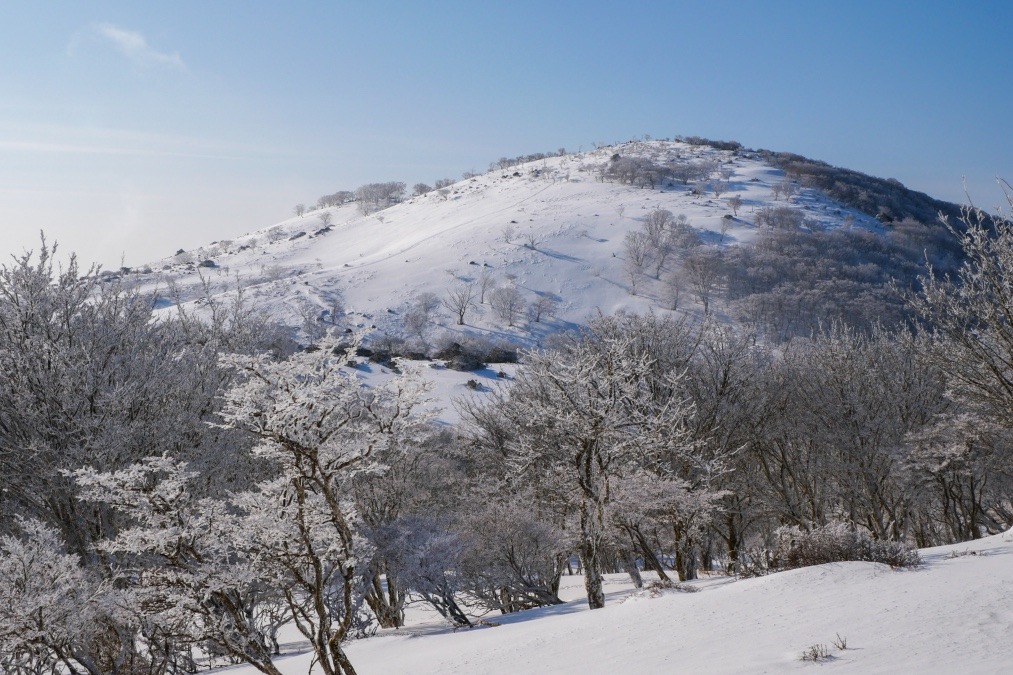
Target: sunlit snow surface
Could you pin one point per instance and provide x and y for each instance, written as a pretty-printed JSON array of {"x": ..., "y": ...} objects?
[{"x": 952, "y": 615}]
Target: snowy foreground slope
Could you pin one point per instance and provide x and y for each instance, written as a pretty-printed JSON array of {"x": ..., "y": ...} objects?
[{"x": 954, "y": 614}]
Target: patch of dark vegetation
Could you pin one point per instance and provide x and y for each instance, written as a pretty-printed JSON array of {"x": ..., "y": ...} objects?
[
  {"x": 883, "y": 198},
  {"x": 474, "y": 353},
  {"x": 792, "y": 281}
]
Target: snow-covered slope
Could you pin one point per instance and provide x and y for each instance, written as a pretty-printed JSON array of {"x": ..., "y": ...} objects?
[
  {"x": 952, "y": 615},
  {"x": 440, "y": 240}
]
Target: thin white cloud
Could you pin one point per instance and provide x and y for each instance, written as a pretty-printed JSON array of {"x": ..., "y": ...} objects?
[{"x": 131, "y": 44}]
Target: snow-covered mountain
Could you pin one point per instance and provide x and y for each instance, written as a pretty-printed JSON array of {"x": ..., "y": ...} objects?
[{"x": 553, "y": 228}]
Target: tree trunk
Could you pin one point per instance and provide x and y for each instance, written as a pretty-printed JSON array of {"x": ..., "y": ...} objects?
[
  {"x": 630, "y": 563},
  {"x": 590, "y": 552},
  {"x": 650, "y": 558},
  {"x": 592, "y": 576},
  {"x": 387, "y": 606}
]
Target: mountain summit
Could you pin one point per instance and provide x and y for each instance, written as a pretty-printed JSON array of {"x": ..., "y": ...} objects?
[{"x": 539, "y": 243}]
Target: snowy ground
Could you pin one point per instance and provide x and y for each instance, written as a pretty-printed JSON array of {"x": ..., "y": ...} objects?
[{"x": 952, "y": 615}]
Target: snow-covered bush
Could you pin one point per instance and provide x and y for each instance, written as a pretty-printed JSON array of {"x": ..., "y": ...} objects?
[
  {"x": 513, "y": 556},
  {"x": 186, "y": 560},
  {"x": 56, "y": 616},
  {"x": 835, "y": 542}
]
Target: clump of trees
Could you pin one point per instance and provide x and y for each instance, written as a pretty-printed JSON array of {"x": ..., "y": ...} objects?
[
  {"x": 335, "y": 199},
  {"x": 373, "y": 197}
]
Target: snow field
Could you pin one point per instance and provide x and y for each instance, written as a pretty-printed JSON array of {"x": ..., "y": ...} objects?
[{"x": 952, "y": 615}]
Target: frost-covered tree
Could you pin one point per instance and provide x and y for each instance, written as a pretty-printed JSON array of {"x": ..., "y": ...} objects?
[
  {"x": 186, "y": 560},
  {"x": 56, "y": 616},
  {"x": 91, "y": 377},
  {"x": 971, "y": 314},
  {"x": 406, "y": 511},
  {"x": 420, "y": 316},
  {"x": 508, "y": 303},
  {"x": 959, "y": 478},
  {"x": 583, "y": 417},
  {"x": 840, "y": 406},
  {"x": 971, "y": 319},
  {"x": 319, "y": 428}
]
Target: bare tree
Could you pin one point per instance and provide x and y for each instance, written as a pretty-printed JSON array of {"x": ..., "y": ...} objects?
[
  {"x": 325, "y": 218},
  {"x": 674, "y": 283},
  {"x": 656, "y": 223},
  {"x": 632, "y": 274},
  {"x": 508, "y": 303},
  {"x": 299, "y": 209},
  {"x": 532, "y": 239},
  {"x": 418, "y": 318},
  {"x": 459, "y": 300},
  {"x": 636, "y": 246},
  {"x": 508, "y": 233},
  {"x": 543, "y": 305},
  {"x": 779, "y": 217},
  {"x": 334, "y": 301},
  {"x": 702, "y": 270},
  {"x": 735, "y": 203},
  {"x": 784, "y": 188},
  {"x": 375, "y": 196},
  {"x": 660, "y": 232},
  {"x": 312, "y": 322},
  {"x": 486, "y": 282},
  {"x": 420, "y": 189}
]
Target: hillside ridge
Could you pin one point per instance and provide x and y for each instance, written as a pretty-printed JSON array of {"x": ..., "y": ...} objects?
[{"x": 563, "y": 231}]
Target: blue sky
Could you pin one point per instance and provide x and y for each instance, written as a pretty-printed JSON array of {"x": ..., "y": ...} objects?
[{"x": 130, "y": 129}]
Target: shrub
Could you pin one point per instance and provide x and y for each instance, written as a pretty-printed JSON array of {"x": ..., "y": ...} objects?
[
  {"x": 779, "y": 217},
  {"x": 459, "y": 358},
  {"x": 816, "y": 652},
  {"x": 835, "y": 542},
  {"x": 472, "y": 353}
]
